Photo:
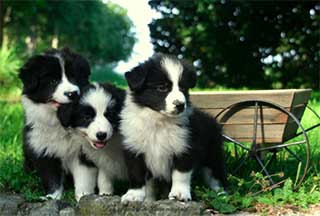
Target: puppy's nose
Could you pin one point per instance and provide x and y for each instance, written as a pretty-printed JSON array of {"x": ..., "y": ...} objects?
[
  {"x": 179, "y": 106},
  {"x": 72, "y": 95},
  {"x": 101, "y": 136}
]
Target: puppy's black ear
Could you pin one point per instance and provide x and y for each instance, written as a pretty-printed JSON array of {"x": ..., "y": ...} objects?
[
  {"x": 82, "y": 68},
  {"x": 29, "y": 73},
  {"x": 136, "y": 77},
  {"x": 192, "y": 79},
  {"x": 79, "y": 65},
  {"x": 190, "y": 73},
  {"x": 66, "y": 49},
  {"x": 64, "y": 114}
]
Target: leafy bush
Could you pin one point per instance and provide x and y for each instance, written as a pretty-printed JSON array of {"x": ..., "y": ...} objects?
[
  {"x": 9, "y": 65},
  {"x": 100, "y": 31},
  {"x": 106, "y": 74},
  {"x": 238, "y": 200}
]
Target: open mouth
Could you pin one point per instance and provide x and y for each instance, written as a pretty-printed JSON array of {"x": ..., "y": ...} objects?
[
  {"x": 93, "y": 143},
  {"x": 55, "y": 103},
  {"x": 172, "y": 114},
  {"x": 176, "y": 113},
  {"x": 99, "y": 144}
]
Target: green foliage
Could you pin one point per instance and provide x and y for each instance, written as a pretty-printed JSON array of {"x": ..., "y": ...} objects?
[
  {"x": 221, "y": 202},
  {"x": 286, "y": 195},
  {"x": 12, "y": 176},
  {"x": 315, "y": 97},
  {"x": 229, "y": 203},
  {"x": 100, "y": 31},
  {"x": 9, "y": 65},
  {"x": 106, "y": 74},
  {"x": 229, "y": 40}
]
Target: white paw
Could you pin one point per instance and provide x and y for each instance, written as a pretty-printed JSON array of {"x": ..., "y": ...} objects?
[
  {"x": 78, "y": 195},
  {"x": 134, "y": 195},
  {"x": 105, "y": 188},
  {"x": 150, "y": 194},
  {"x": 150, "y": 198},
  {"x": 106, "y": 192},
  {"x": 55, "y": 195},
  {"x": 180, "y": 193},
  {"x": 215, "y": 185},
  {"x": 44, "y": 198}
]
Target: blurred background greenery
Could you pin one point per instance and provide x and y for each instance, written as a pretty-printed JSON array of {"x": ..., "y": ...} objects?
[
  {"x": 232, "y": 44},
  {"x": 102, "y": 32},
  {"x": 255, "y": 44}
]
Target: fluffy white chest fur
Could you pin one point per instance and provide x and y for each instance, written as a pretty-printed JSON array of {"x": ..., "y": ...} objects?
[
  {"x": 158, "y": 137},
  {"x": 110, "y": 159},
  {"x": 47, "y": 136}
]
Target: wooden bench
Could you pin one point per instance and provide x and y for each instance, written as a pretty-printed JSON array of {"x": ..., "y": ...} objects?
[{"x": 260, "y": 121}]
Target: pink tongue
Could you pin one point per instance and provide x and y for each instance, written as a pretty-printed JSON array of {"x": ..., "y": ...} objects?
[
  {"x": 56, "y": 104},
  {"x": 99, "y": 145}
]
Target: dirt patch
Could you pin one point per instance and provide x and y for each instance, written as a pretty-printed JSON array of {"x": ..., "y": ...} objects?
[{"x": 287, "y": 210}]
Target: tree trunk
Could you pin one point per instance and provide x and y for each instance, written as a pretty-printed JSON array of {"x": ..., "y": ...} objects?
[{"x": 1, "y": 22}]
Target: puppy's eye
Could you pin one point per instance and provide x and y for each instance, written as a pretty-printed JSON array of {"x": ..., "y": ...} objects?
[
  {"x": 109, "y": 113},
  {"x": 54, "y": 82},
  {"x": 162, "y": 88},
  {"x": 182, "y": 88},
  {"x": 87, "y": 117}
]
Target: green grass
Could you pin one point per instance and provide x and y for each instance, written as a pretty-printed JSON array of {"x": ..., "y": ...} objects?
[
  {"x": 244, "y": 191},
  {"x": 12, "y": 176}
]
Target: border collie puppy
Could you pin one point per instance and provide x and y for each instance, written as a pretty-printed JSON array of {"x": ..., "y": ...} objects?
[
  {"x": 95, "y": 119},
  {"x": 164, "y": 136},
  {"x": 56, "y": 77}
]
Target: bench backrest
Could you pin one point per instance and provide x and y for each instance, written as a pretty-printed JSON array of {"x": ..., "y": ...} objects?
[{"x": 274, "y": 126}]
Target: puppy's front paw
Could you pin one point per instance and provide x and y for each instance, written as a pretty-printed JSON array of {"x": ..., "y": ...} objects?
[
  {"x": 55, "y": 195},
  {"x": 134, "y": 195},
  {"x": 44, "y": 198},
  {"x": 180, "y": 193},
  {"x": 105, "y": 193},
  {"x": 79, "y": 194}
]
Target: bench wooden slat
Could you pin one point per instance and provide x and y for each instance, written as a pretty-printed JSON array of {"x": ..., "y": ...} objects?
[
  {"x": 276, "y": 126},
  {"x": 299, "y": 98},
  {"x": 267, "y": 133},
  {"x": 270, "y": 115}
]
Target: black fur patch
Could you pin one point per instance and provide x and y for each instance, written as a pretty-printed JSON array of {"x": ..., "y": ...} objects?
[
  {"x": 85, "y": 160},
  {"x": 49, "y": 169}
]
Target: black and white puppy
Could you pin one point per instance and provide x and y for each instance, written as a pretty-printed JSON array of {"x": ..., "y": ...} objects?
[
  {"x": 94, "y": 120},
  {"x": 164, "y": 136},
  {"x": 53, "y": 78}
]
